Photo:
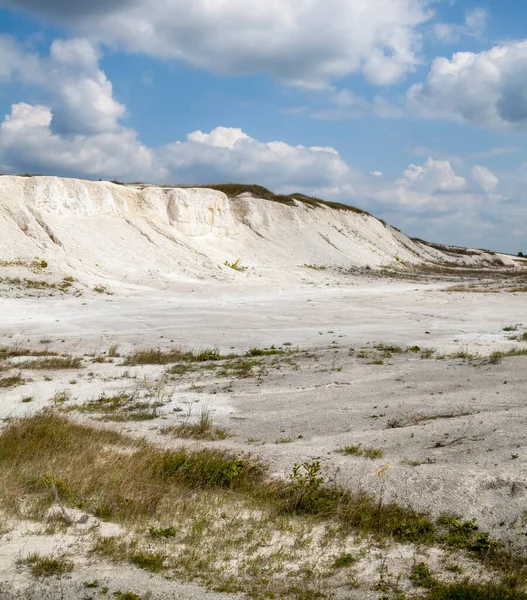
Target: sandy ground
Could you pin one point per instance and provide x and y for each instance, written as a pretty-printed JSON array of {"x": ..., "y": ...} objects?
[
  {"x": 453, "y": 432},
  {"x": 241, "y": 316}
]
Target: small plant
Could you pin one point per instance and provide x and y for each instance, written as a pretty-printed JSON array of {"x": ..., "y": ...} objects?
[
  {"x": 421, "y": 575},
  {"x": 12, "y": 381},
  {"x": 27, "y": 399},
  {"x": 307, "y": 482},
  {"x": 101, "y": 289},
  {"x": 126, "y": 596},
  {"x": 388, "y": 348},
  {"x": 236, "y": 265},
  {"x": 357, "y": 450},
  {"x": 150, "y": 561},
  {"x": 113, "y": 351},
  {"x": 204, "y": 429},
  {"x": 38, "y": 265},
  {"x": 61, "y": 397},
  {"x": 264, "y": 352},
  {"x": 53, "y": 363},
  {"x": 466, "y": 590},
  {"x": 48, "y": 566},
  {"x": 344, "y": 560},
  {"x": 163, "y": 532}
]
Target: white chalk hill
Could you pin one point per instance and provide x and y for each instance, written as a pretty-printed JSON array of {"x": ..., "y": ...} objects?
[{"x": 148, "y": 235}]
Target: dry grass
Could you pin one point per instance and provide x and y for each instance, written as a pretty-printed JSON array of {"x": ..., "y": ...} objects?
[
  {"x": 203, "y": 429},
  {"x": 156, "y": 356},
  {"x": 47, "y": 566},
  {"x": 358, "y": 450},
  {"x": 211, "y": 514},
  {"x": 90, "y": 469},
  {"x": 120, "y": 407},
  {"x": 53, "y": 363},
  {"x": 16, "y": 351},
  {"x": 11, "y": 381}
]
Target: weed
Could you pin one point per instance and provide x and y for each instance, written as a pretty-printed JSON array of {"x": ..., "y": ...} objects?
[
  {"x": 126, "y": 596},
  {"x": 155, "y": 356},
  {"x": 12, "y": 381},
  {"x": 421, "y": 575},
  {"x": 264, "y": 351},
  {"x": 496, "y": 357},
  {"x": 61, "y": 397},
  {"x": 121, "y": 407},
  {"x": 150, "y": 561},
  {"x": 344, "y": 560},
  {"x": 27, "y": 399},
  {"x": 388, "y": 348},
  {"x": 204, "y": 429},
  {"x": 48, "y": 566},
  {"x": 359, "y": 451},
  {"x": 113, "y": 351},
  {"x": 468, "y": 590},
  {"x": 52, "y": 363},
  {"x": 102, "y": 289},
  {"x": 236, "y": 265},
  {"x": 163, "y": 532},
  {"x": 240, "y": 368}
]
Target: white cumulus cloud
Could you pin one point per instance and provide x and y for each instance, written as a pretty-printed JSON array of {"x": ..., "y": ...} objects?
[
  {"x": 81, "y": 94},
  {"x": 488, "y": 88},
  {"x": 304, "y": 42},
  {"x": 28, "y": 144}
]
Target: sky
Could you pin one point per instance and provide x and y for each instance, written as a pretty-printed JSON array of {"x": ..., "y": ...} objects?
[{"x": 415, "y": 110}]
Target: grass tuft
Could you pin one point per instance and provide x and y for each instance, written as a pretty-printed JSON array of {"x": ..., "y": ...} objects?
[
  {"x": 11, "y": 381},
  {"x": 48, "y": 566},
  {"x": 54, "y": 363},
  {"x": 156, "y": 356},
  {"x": 204, "y": 429},
  {"x": 358, "y": 450}
]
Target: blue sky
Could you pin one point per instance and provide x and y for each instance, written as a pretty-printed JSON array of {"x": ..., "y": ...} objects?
[{"x": 413, "y": 109}]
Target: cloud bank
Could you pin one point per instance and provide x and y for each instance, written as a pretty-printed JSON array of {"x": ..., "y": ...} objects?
[{"x": 303, "y": 42}]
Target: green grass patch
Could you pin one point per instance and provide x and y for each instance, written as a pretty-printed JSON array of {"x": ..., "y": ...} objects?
[
  {"x": 53, "y": 363},
  {"x": 16, "y": 351},
  {"x": 11, "y": 381},
  {"x": 221, "y": 503},
  {"x": 150, "y": 561},
  {"x": 422, "y": 576},
  {"x": 120, "y": 407},
  {"x": 156, "y": 356},
  {"x": 467, "y": 590},
  {"x": 48, "y": 566},
  {"x": 359, "y": 450}
]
